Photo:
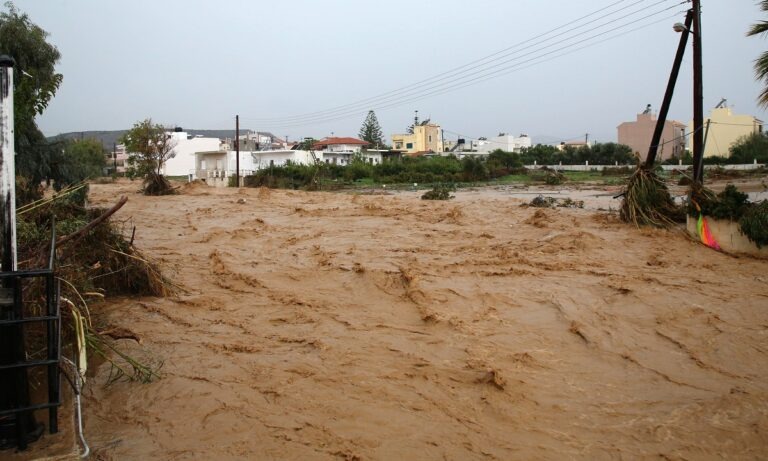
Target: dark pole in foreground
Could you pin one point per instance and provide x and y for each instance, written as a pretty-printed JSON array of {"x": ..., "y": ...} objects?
[
  {"x": 698, "y": 97},
  {"x": 237, "y": 150},
  {"x": 653, "y": 149},
  {"x": 14, "y": 384}
]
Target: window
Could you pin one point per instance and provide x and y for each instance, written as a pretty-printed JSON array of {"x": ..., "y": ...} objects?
[
  {"x": 430, "y": 138},
  {"x": 409, "y": 145}
]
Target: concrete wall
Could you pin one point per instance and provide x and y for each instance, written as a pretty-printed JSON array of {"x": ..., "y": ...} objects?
[{"x": 728, "y": 235}]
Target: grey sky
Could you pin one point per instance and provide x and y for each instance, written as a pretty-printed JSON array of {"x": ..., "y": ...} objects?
[{"x": 198, "y": 63}]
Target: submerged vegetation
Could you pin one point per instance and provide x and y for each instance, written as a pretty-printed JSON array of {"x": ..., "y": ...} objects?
[
  {"x": 733, "y": 205},
  {"x": 439, "y": 192},
  {"x": 647, "y": 201},
  {"x": 95, "y": 259}
]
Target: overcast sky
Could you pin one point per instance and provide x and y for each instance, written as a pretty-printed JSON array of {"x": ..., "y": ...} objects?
[{"x": 196, "y": 64}]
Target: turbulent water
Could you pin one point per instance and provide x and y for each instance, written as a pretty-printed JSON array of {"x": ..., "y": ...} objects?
[{"x": 338, "y": 326}]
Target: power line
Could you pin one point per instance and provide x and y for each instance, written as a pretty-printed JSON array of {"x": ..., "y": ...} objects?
[
  {"x": 463, "y": 76},
  {"x": 457, "y": 70},
  {"x": 464, "y": 82}
]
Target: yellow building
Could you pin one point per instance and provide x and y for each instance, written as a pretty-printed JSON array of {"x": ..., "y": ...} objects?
[
  {"x": 425, "y": 138},
  {"x": 725, "y": 129}
]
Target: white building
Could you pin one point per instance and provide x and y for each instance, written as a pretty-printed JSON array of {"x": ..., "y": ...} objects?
[
  {"x": 341, "y": 150},
  {"x": 505, "y": 142},
  {"x": 183, "y": 161},
  {"x": 216, "y": 166}
]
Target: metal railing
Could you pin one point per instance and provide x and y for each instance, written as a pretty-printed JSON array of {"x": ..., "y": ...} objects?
[{"x": 12, "y": 323}]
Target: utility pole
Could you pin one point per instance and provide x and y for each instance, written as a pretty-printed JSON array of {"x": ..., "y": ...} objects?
[
  {"x": 662, "y": 118},
  {"x": 237, "y": 150},
  {"x": 698, "y": 97},
  {"x": 586, "y": 139},
  {"x": 114, "y": 156}
]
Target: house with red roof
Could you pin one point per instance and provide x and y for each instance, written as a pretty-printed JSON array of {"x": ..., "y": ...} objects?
[{"x": 339, "y": 150}]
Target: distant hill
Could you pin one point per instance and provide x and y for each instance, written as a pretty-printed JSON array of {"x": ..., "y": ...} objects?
[{"x": 108, "y": 138}]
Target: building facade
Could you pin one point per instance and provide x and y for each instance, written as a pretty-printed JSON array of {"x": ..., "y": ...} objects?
[
  {"x": 505, "y": 142},
  {"x": 425, "y": 138},
  {"x": 725, "y": 128},
  {"x": 338, "y": 150},
  {"x": 638, "y": 136}
]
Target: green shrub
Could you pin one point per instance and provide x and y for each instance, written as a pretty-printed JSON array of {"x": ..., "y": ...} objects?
[
  {"x": 754, "y": 223},
  {"x": 440, "y": 191}
]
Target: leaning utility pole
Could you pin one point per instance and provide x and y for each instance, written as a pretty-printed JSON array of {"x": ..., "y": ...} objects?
[
  {"x": 662, "y": 118},
  {"x": 698, "y": 97},
  {"x": 237, "y": 150}
]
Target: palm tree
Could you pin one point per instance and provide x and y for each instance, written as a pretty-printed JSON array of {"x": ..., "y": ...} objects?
[{"x": 761, "y": 63}]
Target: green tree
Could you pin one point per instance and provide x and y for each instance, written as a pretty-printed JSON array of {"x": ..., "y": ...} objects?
[
  {"x": 749, "y": 148},
  {"x": 80, "y": 160},
  {"x": 35, "y": 84},
  {"x": 761, "y": 63},
  {"x": 370, "y": 131},
  {"x": 307, "y": 144},
  {"x": 149, "y": 146}
]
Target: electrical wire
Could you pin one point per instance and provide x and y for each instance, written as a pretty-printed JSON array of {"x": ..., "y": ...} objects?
[
  {"x": 510, "y": 69},
  {"x": 464, "y": 82},
  {"x": 457, "y": 70},
  {"x": 399, "y": 97}
]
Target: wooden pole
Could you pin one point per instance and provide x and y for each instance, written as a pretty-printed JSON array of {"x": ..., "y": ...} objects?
[
  {"x": 662, "y": 119},
  {"x": 698, "y": 97}
]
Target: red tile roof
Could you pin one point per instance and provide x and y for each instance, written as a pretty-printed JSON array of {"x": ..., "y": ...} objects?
[{"x": 334, "y": 141}]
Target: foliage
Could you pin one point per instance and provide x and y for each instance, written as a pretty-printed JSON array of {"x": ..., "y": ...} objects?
[
  {"x": 733, "y": 205},
  {"x": 79, "y": 160},
  {"x": 440, "y": 191},
  {"x": 548, "y": 176},
  {"x": 754, "y": 223},
  {"x": 417, "y": 123},
  {"x": 728, "y": 204},
  {"x": 149, "y": 146},
  {"x": 597, "y": 154},
  {"x": 647, "y": 201},
  {"x": 761, "y": 63},
  {"x": 35, "y": 77},
  {"x": 542, "y": 202},
  {"x": 749, "y": 148},
  {"x": 307, "y": 144},
  {"x": 370, "y": 131},
  {"x": 35, "y": 84},
  {"x": 358, "y": 169},
  {"x": 473, "y": 169}
]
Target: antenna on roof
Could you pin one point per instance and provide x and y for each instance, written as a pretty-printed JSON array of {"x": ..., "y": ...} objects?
[
  {"x": 647, "y": 109},
  {"x": 721, "y": 104}
]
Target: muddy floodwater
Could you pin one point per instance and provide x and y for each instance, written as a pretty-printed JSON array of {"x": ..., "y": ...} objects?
[{"x": 383, "y": 327}]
